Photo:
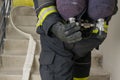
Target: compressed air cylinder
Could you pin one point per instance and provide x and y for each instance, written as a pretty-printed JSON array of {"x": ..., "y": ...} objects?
[
  {"x": 16, "y": 3},
  {"x": 70, "y": 8},
  {"x": 101, "y": 8}
]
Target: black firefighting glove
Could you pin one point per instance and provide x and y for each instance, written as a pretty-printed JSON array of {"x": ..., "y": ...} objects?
[{"x": 69, "y": 33}]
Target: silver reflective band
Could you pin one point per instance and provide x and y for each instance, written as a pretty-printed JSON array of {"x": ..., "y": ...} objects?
[{"x": 44, "y": 13}]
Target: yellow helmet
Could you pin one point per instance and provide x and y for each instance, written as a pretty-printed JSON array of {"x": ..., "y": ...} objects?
[{"x": 16, "y": 3}]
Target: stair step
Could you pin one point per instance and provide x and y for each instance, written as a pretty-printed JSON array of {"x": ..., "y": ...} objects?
[
  {"x": 35, "y": 76},
  {"x": 24, "y": 16},
  {"x": 17, "y": 75},
  {"x": 25, "y": 20},
  {"x": 12, "y": 61},
  {"x": 15, "y": 52},
  {"x": 96, "y": 74},
  {"x": 16, "y": 62},
  {"x": 14, "y": 45},
  {"x": 99, "y": 74},
  {"x": 11, "y": 33},
  {"x": 25, "y": 11},
  {"x": 18, "y": 47},
  {"x": 10, "y": 74},
  {"x": 97, "y": 58},
  {"x": 28, "y": 29},
  {"x": 10, "y": 77},
  {"x": 31, "y": 30}
]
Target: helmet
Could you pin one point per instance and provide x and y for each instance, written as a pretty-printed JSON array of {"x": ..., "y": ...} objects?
[
  {"x": 100, "y": 8},
  {"x": 70, "y": 8}
]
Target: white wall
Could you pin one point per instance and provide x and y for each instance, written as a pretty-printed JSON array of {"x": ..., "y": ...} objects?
[{"x": 111, "y": 48}]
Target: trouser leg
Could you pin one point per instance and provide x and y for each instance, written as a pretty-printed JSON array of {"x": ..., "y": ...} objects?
[
  {"x": 55, "y": 62},
  {"x": 63, "y": 68},
  {"x": 82, "y": 49},
  {"x": 81, "y": 67},
  {"x": 59, "y": 69}
]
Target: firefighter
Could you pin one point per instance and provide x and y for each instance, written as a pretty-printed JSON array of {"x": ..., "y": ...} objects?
[{"x": 66, "y": 47}]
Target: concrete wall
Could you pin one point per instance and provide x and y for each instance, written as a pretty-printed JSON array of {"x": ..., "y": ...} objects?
[{"x": 111, "y": 48}]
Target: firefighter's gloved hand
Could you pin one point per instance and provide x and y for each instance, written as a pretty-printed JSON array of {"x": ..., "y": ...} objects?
[{"x": 69, "y": 33}]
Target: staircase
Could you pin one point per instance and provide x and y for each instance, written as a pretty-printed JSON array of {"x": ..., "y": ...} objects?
[{"x": 15, "y": 50}]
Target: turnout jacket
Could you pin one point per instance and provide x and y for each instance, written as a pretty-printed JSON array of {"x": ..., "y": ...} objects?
[
  {"x": 45, "y": 9},
  {"x": 47, "y": 16}
]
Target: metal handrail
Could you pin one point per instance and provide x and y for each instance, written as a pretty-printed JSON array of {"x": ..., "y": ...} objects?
[
  {"x": 4, "y": 12},
  {"x": 2, "y": 24}
]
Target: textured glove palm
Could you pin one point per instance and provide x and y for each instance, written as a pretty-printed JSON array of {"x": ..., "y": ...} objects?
[{"x": 69, "y": 33}]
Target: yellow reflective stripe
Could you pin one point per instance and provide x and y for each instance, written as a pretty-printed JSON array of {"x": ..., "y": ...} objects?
[
  {"x": 105, "y": 27},
  {"x": 44, "y": 13},
  {"x": 95, "y": 31},
  {"x": 86, "y": 78},
  {"x": 43, "y": 18},
  {"x": 46, "y": 9}
]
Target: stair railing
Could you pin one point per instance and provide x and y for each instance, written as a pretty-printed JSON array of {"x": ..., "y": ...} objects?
[
  {"x": 31, "y": 47},
  {"x": 4, "y": 12}
]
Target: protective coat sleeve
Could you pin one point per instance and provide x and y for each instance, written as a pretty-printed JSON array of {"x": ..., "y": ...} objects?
[{"x": 47, "y": 14}]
